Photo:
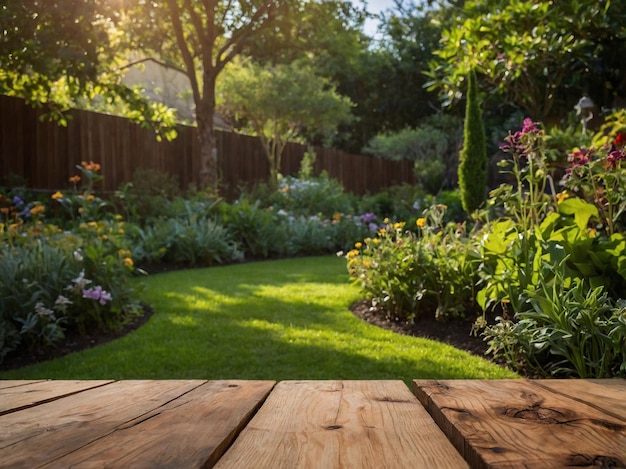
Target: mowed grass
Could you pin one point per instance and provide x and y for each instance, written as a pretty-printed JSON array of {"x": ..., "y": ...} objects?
[{"x": 285, "y": 319}]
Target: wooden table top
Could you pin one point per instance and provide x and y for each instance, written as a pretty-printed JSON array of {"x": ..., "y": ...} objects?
[{"x": 313, "y": 424}]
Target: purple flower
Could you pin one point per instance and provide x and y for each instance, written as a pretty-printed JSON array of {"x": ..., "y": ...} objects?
[
  {"x": 514, "y": 142},
  {"x": 368, "y": 217},
  {"x": 98, "y": 294},
  {"x": 615, "y": 156}
]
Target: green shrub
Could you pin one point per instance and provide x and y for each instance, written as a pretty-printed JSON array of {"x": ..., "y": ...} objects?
[
  {"x": 563, "y": 328},
  {"x": 51, "y": 281},
  {"x": 403, "y": 272},
  {"x": 148, "y": 195},
  {"x": 257, "y": 229},
  {"x": 473, "y": 157},
  {"x": 200, "y": 240}
]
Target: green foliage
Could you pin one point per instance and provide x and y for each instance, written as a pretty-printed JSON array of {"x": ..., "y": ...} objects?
[
  {"x": 473, "y": 156},
  {"x": 548, "y": 263},
  {"x": 433, "y": 146},
  {"x": 315, "y": 196},
  {"x": 530, "y": 53},
  {"x": 255, "y": 228},
  {"x": 280, "y": 102},
  {"x": 598, "y": 177},
  {"x": 51, "y": 282},
  {"x": 403, "y": 272},
  {"x": 147, "y": 196},
  {"x": 564, "y": 329}
]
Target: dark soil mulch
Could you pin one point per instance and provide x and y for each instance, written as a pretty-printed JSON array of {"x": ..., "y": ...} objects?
[
  {"x": 456, "y": 332},
  {"x": 74, "y": 342}
]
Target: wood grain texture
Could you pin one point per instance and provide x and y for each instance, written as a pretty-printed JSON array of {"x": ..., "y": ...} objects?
[
  {"x": 23, "y": 394},
  {"x": 192, "y": 431},
  {"x": 341, "y": 424},
  {"x": 606, "y": 395},
  {"x": 519, "y": 423}
]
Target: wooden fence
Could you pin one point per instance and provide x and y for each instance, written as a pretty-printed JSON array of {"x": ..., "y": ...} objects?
[{"x": 45, "y": 154}]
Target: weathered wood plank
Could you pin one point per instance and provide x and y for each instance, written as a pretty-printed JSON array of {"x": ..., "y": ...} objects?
[
  {"x": 192, "y": 431},
  {"x": 606, "y": 395},
  {"x": 341, "y": 424},
  {"x": 518, "y": 423},
  {"x": 22, "y": 394},
  {"x": 37, "y": 435}
]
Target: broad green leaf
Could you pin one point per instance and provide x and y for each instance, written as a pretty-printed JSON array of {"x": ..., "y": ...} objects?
[{"x": 581, "y": 210}]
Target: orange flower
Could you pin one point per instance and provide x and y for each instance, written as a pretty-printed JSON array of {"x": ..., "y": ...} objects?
[
  {"x": 57, "y": 195},
  {"x": 37, "y": 209},
  {"x": 91, "y": 166},
  {"x": 75, "y": 179}
]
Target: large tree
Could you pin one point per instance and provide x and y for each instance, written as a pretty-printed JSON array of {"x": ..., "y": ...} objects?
[{"x": 199, "y": 38}]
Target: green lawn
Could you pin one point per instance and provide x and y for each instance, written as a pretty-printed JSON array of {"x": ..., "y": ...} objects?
[{"x": 286, "y": 319}]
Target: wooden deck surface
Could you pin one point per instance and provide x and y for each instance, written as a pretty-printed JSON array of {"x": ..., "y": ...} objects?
[{"x": 313, "y": 424}]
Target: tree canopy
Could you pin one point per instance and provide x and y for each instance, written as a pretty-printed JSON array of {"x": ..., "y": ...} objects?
[{"x": 530, "y": 53}]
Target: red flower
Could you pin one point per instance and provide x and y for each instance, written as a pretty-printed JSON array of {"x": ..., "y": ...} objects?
[{"x": 620, "y": 140}]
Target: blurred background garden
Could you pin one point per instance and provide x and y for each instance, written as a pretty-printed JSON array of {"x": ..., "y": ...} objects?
[{"x": 465, "y": 162}]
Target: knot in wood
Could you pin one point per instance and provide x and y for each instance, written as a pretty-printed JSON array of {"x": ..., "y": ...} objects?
[
  {"x": 334, "y": 427},
  {"x": 537, "y": 413}
]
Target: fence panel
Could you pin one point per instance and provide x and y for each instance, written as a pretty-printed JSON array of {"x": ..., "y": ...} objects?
[{"x": 45, "y": 154}]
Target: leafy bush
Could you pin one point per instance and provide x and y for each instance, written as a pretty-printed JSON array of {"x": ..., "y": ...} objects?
[
  {"x": 574, "y": 312},
  {"x": 256, "y": 229},
  {"x": 53, "y": 281},
  {"x": 564, "y": 328},
  {"x": 148, "y": 196},
  {"x": 402, "y": 271}
]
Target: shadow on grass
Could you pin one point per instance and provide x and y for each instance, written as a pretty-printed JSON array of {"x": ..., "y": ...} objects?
[{"x": 271, "y": 320}]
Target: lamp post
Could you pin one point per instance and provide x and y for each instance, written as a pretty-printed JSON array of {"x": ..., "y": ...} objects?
[{"x": 584, "y": 109}]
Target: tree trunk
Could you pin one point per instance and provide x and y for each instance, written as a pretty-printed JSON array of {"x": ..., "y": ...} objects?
[{"x": 205, "y": 112}]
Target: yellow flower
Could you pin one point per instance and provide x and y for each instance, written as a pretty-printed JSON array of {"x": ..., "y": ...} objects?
[
  {"x": 358, "y": 245},
  {"x": 128, "y": 262},
  {"x": 561, "y": 196},
  {"x": 421, "y": 222},
  {"x": 337, "y": 216},
  {"x": 57, "y": 195},
  {"x": 592, "y": 232},
  {"x": 352, "y": 254},
  {"x": 398, "y": 226},
  {"x": 376, "y": 240}
]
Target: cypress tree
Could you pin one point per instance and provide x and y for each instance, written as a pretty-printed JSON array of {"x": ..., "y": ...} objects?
[{"x": 473, "y": 156}]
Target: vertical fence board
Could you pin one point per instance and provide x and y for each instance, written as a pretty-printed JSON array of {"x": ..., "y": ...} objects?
[{"x": 46, "y": 154}]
